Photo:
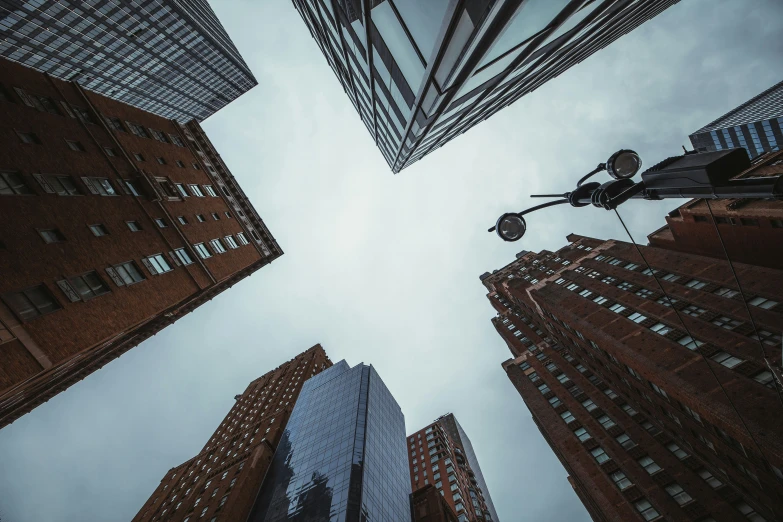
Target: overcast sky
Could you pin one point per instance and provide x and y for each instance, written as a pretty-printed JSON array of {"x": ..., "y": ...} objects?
[{"x": 383, "y": 269}]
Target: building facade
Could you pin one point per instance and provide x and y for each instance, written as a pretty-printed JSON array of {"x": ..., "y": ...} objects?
[
  {"x": 428, "y": 505},
  {"x": 750, "y": 229},
  {"x": 441, "y": 455},
  {"x": 649, "y": 381},
  {"x": 115, "y": 223},
  {"x": 222, "y": 482},
  {"x": 169, "y": 57},
  {"x": 342, "y": 455},
  {"x": 422, "y": 73},
  {"x": 756, "y": 126}
]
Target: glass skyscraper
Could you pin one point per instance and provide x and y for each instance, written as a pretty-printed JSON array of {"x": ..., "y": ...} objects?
[
  {"x": 342, "y": 457},
  {"x": 756, "y": 126},
  {"x": 169, "y": 57},
  {"x": 420, "y": 73}
]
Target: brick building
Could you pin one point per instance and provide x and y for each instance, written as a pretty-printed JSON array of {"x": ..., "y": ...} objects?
[
  {"x": 430, "y": 506},
  {"x": 659, "y": 405},
  {"x": 115, "y": 223},
  {"x": 751, "y": 229},
  {"x": 223, "y": 480},
  {"x": 441, "y": 455}
]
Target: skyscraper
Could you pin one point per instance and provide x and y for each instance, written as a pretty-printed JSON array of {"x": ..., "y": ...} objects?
[
  {"x": 751, "y": 230},
  {"x": 650, "y": 383},
  {"x": 342, "y": 455},
  {"x": 421, "y": 73},
  {"x": 756, "y": 126},
  {"x": 441, "y": 455},
  {"x": 169, "y": 57},
  {"x": 223, "y": 480},
  {"x": 114, "y": 223}
]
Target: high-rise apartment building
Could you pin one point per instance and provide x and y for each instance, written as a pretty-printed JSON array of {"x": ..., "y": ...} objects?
[
  {"x": 169, "y": 57},
  {"x": 756, "y": 126},
  {"x": 421, "y": 73},
  {"x": 429, "y": 505},
  {"x": 222, "y": 482},
  {"x": 751, "y": 230},
  {"x": 342, "y": 455},
  {"x": 115, "y": 223},
  {"x": 441, "y": 455},
  {"x": 650, "y": 382}
]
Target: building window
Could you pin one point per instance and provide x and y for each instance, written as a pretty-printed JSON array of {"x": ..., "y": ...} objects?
[
  {"x": 217, "y": 246},
  {"x": 727, "y": 360},
  {"x": 180, "y": 164},
  {"x": 51, "y": 235},
  {"x": 748, "y": 222},
  {"x": 678, "y": 451},
  {"x": 157, "y": 264},
  {"x": 12, "y": 183},
  {"x": 585, "y": 293},
  {"x": 133, "y": 226},
  {"x": 695, "y": 283},
  {"x": 726, "y": 322},
  {"x": 195, "y": 166},
  {"x": 158, "y": 135},
  {"x": 182, "y": 219},
  {"x": 620, "y": 480},
  {"x": 762, "y": 302},
  {"x": 709, "y": 478},
  {"x": 200, "y": 218},
  {"x": 137, "y": 130},
  {"x": 161, "y": 222},
  {"x": 670, "y": 277},
  {"x": 210, "y": 190},
  {"x": 215, "y": 216},
  {"x": 202, "y": 251},
  {"x": 196, "y": 191},
  {"x": 87, "y": 286},
  {"x": 606, "y": 422},
  {"x": 555, "y": 402},
  {"x": 776, "y": 223},
  {"x": 600, "y": 299},
  {"x": 645, "y": 509},
  {"x": 628, "y": 409},
  {"x": 30, "y": 138},
  {"x": 767, "y": 337},
  {"x": 114, "y": 123},
  {"x": 228, "y": 214},
  {"x": 667, "y": 301},
  {"x": 726, "y": 292},
  {"x": 98, "y": 230},
  {"x": 689, "y": 342},
  {"x": 56, "y": 184},
  {"x": 83, "y": 115},
  {"x": 649, "y": 465},
  {"x": 31, "y": 302},
  {"x": 610, "y": 393},
  {"x": 544, "y": 389},
  {"x": 636, "y": 317},
  {"x": 643, "y": 292},
  {"x": 617, "y": 308},
  {"x": 701, "y": 219},
  {"x": 100, "y": 186},
  {"x": 75, "y": 145},
  {"x": 176, "y": 140},
  {"x": 599, "y": 455},
  {"x": 625, "y": 441},
  {"x": 661, "y": 328},
  {"x": 138, "y": 156},
  {"x": 588, "y": 404},
  {"x": 582, "y": 434},
  {"x": 567, "y": 416},
  {"x": 693, "y": 310},
  {"x": 161, "y": 161},
  {"x": 678, "y": 494}
]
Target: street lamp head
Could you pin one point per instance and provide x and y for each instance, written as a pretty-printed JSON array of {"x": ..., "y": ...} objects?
[
  {"x": 623, "y": 164},
  {"x": 511, "y": 227}
]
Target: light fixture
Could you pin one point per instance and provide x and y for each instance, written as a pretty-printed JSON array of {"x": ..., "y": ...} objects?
[
  {"x": 623, "y": 164},
  {"x": 511, "y": 227}
]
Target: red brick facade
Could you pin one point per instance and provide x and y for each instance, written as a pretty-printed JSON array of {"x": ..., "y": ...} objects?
[
  {"x": 429, "y": 506},
  {"x": 635, "y": 410},
  {"x": 751, "y": 230},
  {"x": 436, "y": 459},
  {"x": 221, "y": 483},
  {"x": 77, "y": 199}
]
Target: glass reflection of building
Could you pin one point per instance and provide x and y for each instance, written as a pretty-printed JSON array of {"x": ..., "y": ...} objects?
[
  {"x": 420, "y": 73},
  {"x": 756, "y": 126},
  {"x": 169, "y": 57},
  {"x": 342, "y": 457}
]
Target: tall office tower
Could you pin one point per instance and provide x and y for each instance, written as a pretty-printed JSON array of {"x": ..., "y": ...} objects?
[
  {"x": 114, "y": 223},
  {"x": 441, "y": 455},
  {"x": 168, "y": 57},
  {"x": 223, "y": 480},
  {"x": 756, "y": 126},
  {"x": 751, "y": 230},
  {"x": 342, "y": 455},
  {"x": 658, "y": 403},
  {"x": 421, "y": 73}
]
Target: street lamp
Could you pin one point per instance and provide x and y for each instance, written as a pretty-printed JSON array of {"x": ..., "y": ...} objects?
[{"x": 692, "y": 175}]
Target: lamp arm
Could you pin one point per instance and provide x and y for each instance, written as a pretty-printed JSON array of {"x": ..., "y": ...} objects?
[{"x": 599, "y": 168}]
